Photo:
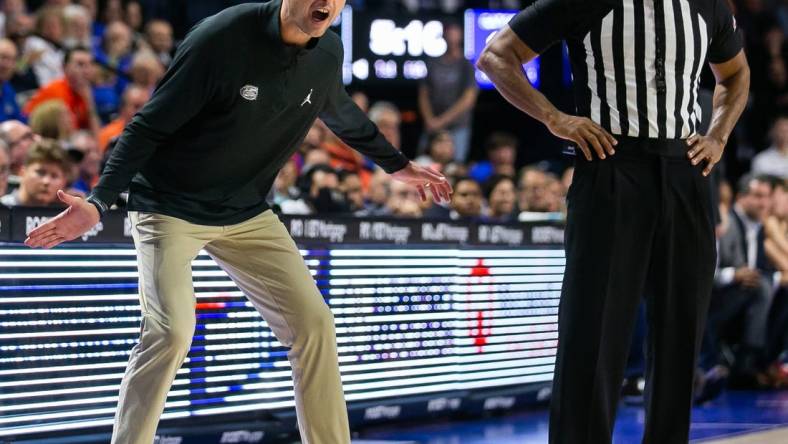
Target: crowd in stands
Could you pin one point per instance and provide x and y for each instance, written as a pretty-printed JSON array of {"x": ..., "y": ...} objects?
[{"x": 74, "y": 73}]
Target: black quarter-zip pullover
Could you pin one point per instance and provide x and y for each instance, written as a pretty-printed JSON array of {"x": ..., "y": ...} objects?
[{"x": 233, "y": 107}]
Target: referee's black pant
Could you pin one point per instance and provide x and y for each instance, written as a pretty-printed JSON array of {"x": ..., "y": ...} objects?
[{"x": 639, "y": 225}]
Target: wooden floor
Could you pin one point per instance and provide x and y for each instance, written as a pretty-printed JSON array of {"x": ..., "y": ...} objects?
[
  {"x": 777, "y": 436},
  {"x": 759, "y": 417}
]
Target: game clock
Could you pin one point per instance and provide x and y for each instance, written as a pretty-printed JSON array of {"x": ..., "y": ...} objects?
[{"x": 394, "y": 49}]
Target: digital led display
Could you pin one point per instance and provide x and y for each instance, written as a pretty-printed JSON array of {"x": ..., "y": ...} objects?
[
  {"x": 411, "y": 321},
  {"x": 481, "y": 25}
]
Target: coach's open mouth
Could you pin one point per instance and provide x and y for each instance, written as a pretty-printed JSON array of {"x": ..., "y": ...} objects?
[{"x": 320, "y": 15}]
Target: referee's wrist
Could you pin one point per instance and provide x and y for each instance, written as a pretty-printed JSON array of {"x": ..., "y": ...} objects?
[{"x": 720, "y": 138}]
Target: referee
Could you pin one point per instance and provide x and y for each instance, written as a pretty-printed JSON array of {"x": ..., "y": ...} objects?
[
  {"x": 199, "y": 160},
  {"x": 640, "y": 217}
]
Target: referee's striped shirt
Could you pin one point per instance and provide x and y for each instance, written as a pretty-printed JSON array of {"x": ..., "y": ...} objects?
[{"x": 636, "y": 63}]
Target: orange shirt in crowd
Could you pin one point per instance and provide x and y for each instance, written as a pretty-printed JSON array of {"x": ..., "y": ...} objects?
[
  {"x": 59, "y": 89},
  {"x": 109, "y": 132},
  {"x": 345, "y": 158}
]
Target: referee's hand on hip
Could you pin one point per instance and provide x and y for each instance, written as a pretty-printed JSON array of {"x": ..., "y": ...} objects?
[
  {"x": 705, "y": 148},
  {"x": 585, "y": 133}
]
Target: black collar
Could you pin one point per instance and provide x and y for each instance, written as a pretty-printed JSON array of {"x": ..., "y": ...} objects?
[{"x": 271, "y": 12}]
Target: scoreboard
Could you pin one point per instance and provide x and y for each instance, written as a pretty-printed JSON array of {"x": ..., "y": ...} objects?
[{"x": 423, "y": 310}]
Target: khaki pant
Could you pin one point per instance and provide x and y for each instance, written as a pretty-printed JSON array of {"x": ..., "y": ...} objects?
[{"x": 262, "y": 259}]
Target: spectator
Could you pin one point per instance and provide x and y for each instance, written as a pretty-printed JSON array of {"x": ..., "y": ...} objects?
[
  {"x": 379, "y": 193},
  {"x": 107, "y": 87},
  {"x": 315, "y": 138},
  {"x": 57, "y": 3},
  {"x": 556, "y": 195},
  {"x": 766, "y": 55},
  {"x": 114, "y": 57},
  {"x": 78, "y": 31},
  {"x": 454, "y": 170},
  {"x": 18, "y": 28},
  {"x": 74, "y": 89},
  {"x": 541, "y": 196},
  {"x": 9, "y": 109},
  {"x": 342, "y": 156},
  {"x": 448, "y": 94},
  {"x": 314, "y": 157},
  {"x": 132, "y": 16},
  {"x": 440, "y": 151},
  {"x": 44, "y": 173},
  {"x": 112, "y": 11},
  {"x": 319, "y": 186},
  {"x": 324, "y": 194},
  {"x": 502, "y": 199},
  {"x": 146, "y": 70},
  {"x": 8, "y": 9},
  {"x": 466, "y": 202},
  {"x": 388, "y": 118},
  {"x": 725, "y": 205},
  {"x": 52, "y": 120},
  {"x": 566, "y": 178},
  {"x": 285, "y": 184},
  {"x": 532, "y": 190},
  {"x": 115, "y": 50},
  {"x": 776, "y": 249},
  {"x": 774, "y": 161},
  {"x": 98, "y": 27},
  {"x": 361, "y": 100},
  {"x": 776, "y": 229},
  {"x": 740, "y": 289},
  {"x": 408, "y": 209},
  {"x": 133, "y": 100},
  {"x": 85, "y": 173},
  {"x": 501, "y": 157},
  {"x": 5, "y": 167},
  {"x": 42, "y": 50},
  {"x": 403, "y": 201},
  {"x": 350, "y": 186},
  {"x": 19, "y": 138},
  {"x": 158, "y": 34}
]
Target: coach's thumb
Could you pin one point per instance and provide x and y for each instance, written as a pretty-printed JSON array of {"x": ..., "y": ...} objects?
[{"x": 66, "y": 198}]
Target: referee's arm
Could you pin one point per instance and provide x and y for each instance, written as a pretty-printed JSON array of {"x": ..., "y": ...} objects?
[
  {"x": 730, "y": 98},
  {"x": 502, "y": 61},
  {"x": 729, "y": 64}
]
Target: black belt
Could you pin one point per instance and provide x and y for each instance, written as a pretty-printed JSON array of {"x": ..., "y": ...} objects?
[{"x": 663, "y": 147}]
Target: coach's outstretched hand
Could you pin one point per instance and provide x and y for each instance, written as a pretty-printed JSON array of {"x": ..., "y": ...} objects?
[
  {"x": 425, "y": 178},
  {"x": 74, "y": 221}
]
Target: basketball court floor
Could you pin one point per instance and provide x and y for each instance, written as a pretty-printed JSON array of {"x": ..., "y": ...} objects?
[{"x": 734, "y": 418}]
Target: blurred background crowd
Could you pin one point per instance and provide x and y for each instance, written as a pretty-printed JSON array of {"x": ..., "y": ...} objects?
[{"x": 73, "y": 73}]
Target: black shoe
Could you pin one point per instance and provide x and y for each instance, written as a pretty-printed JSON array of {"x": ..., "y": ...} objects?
[{"x": 711, "y": 384}]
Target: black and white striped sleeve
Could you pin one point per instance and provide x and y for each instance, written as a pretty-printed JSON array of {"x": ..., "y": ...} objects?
[
  {"x": 542, "y": 24},
  {"x": 726, "y": 39}
]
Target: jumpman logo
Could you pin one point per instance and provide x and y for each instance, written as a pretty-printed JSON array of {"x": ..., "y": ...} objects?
[{"x": 308, "y": 98}]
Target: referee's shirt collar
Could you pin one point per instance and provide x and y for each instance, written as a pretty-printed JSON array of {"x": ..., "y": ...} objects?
[{"x": 271, "y": 11}]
